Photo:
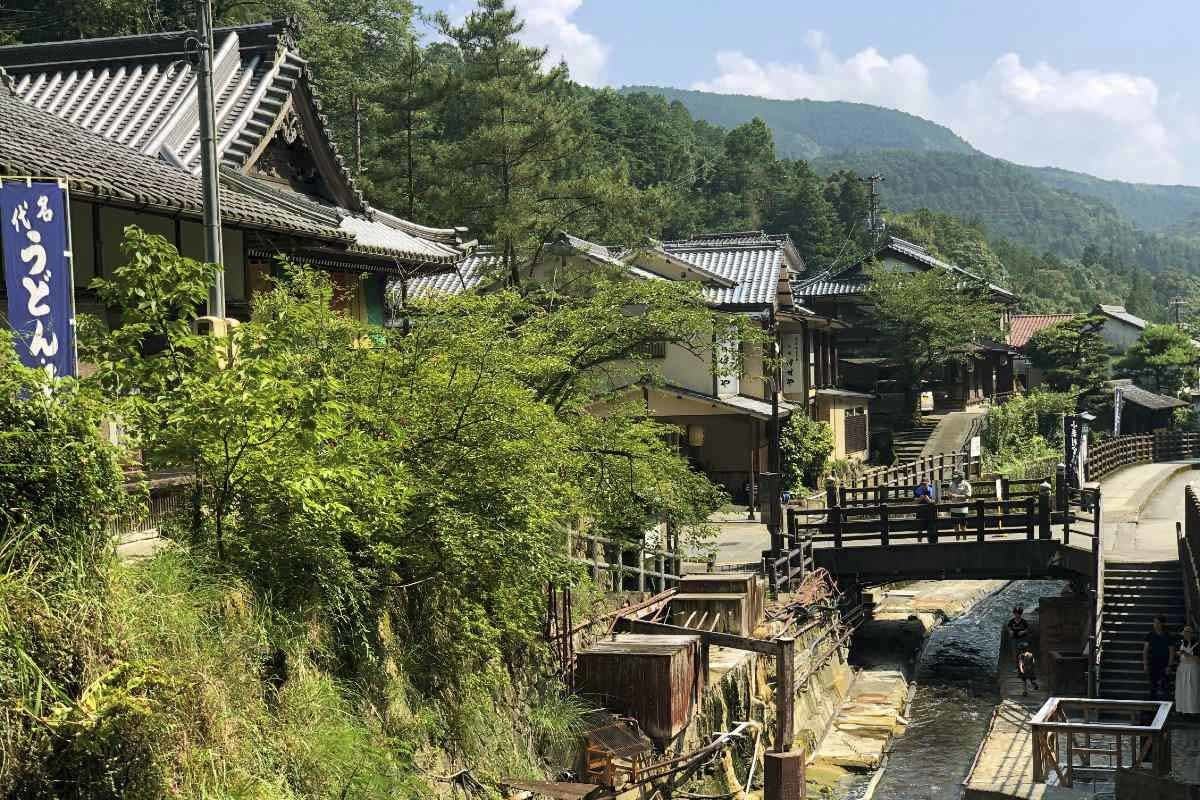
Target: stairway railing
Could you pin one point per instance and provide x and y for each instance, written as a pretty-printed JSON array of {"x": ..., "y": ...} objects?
[{"x": 1189, "y": 552}]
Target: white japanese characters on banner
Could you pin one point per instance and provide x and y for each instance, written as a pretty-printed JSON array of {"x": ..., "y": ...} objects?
[{"x": 35, "y": 246}]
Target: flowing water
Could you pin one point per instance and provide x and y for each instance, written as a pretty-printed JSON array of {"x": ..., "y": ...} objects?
[{"x": 953, "y": 701}]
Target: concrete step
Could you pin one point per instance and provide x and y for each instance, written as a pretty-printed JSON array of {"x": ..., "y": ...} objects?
[{"x": 1147, "y": 594}]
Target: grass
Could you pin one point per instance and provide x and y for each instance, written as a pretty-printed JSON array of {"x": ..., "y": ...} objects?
[{"x": 166, "y": 683}]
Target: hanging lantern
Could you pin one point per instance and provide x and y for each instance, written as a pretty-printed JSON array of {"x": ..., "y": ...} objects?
[{"x": 695, "y": 435}]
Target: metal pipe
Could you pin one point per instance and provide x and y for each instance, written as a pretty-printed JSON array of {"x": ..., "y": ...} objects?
[{"x": 208, "y": 159}]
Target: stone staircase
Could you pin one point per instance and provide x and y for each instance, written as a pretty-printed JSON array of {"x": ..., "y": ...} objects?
[
  {"x": 1134, "y": 594},
  {"x": 907, "y": 445}
]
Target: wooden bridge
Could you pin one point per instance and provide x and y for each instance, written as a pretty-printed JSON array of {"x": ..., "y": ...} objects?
[{"x": 879, "y": 535}]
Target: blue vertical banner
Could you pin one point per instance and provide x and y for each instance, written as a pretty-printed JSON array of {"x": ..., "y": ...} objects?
[{"x": 35, "y": 249}]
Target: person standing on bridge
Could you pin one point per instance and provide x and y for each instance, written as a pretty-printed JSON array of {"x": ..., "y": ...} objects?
[
  {"x": 1187, "y": 674},
  {"x": 927, "y": 513},
  {"x": 959, "y": 492},
  {"x": 1157, "y": 653}
]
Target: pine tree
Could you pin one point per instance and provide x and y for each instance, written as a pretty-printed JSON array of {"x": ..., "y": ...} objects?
[
  {"x": 517, "y": 154},
  {"x": 403, "y": 172}
]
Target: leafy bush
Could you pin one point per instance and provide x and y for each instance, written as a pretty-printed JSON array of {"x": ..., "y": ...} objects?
[
  {"x": 1024, "y": 435},
  {"x": 805, "y": 447}
]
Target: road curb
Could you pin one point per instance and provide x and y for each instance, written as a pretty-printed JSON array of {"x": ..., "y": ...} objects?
[{"x": 1161, "y": 481}]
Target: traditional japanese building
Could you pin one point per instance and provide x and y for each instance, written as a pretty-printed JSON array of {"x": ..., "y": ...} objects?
[
  {"x": 723, "y": 418},
  {"x": 863, "y": 358},
  {"x": 1022, "y": 328},
  {"x": 138, "y": 94}
]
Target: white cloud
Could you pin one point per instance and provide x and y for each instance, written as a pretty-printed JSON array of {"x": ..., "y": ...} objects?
[
  {"x": 548, "y": 24},
  {"x": 1112, "y": 124}
]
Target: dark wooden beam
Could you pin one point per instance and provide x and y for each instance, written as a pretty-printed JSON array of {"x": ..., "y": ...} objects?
[{"x": 767, "y": 648}]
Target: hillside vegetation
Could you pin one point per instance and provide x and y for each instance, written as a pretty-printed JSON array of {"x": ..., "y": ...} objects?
[{"x": 813, "y": 128}]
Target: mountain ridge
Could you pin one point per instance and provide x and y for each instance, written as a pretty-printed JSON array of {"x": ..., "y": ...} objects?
[{"x": 832, "y": 132}]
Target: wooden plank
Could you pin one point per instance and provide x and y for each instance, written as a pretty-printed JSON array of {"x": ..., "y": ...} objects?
[{"x": 730, "y": 640}]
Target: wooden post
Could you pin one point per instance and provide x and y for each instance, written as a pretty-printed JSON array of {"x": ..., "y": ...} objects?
[
  {"x": 831, "y": 493},
  {"x": 1029, "y": 512},
  {"x": 835, "y": 519},
  {"x": 980, "y": 522},
  {"x": 785, "y": 694},
  {"x": 1060, "y": 487},
  {"x": 884, "y": 532},
  {"x": 1044, "y": 531}
]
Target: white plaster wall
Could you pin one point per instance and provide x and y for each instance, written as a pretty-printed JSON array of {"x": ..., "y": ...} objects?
[{"x": 1119, "y": 336}]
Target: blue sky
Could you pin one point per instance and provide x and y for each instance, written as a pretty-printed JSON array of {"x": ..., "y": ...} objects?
[{"x": 1103, "y": 87}]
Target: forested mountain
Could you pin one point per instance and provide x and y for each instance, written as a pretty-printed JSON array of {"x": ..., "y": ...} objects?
[
  {"x": 1151, "y": 206},
  {"x": 1011, "y": 201},
  {"x": 812, "y": 128},
  {"x": 927, "y": 165}
]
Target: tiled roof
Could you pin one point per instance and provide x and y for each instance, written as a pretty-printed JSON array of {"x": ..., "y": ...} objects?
[
  {"x": 37, "y": 143},
  {"x": 464, "y": 276},
  {"x": 1119, "y": 313},
  {"x": 566, "y": 243},
  {"x": 1022, "y": 327},
  {"x": 851, "y": 279},
  {"x": 754, "y": 261},
  {"x": 140, "y": 91},
  {"x": 1146, "y": 399}
]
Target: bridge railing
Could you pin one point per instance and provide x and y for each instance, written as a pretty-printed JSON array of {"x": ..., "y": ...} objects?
[
  {"x": 998, "y": 489},
  {"x": 1111, "y": 454},
  {"x": 1189, "y": 552}
]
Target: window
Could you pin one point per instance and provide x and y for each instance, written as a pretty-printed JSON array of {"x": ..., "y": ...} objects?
[
  {"x": 855, "y": 432},
  {"x": 655, "y": 349}
]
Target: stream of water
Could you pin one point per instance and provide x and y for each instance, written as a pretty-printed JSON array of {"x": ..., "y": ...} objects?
[{"x": 953, "y": 701}]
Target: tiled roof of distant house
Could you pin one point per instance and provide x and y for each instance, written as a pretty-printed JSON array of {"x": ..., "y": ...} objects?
[
  {"x": 755, "y": 261},
  {"x": 1119, "y": 313},
  {"x": 852, "y": 279},
  {"x": 1022, "y": 327},
  {"x": 1144, "y": 398}
]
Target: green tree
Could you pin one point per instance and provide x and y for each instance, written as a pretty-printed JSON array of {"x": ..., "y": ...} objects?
[
  {"x": 930, "y": 319},
  {"x": 341, "y": 467},
  {"x": 805, "y": 446},
  {"x": 1072, "y": 355},
  {"x": 1164, "y": 357},
  {"x": 518, "y": 149}
]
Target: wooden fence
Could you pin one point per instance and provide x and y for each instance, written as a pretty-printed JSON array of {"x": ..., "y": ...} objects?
[
  {"x": 626, "y": 566},
  {"x": 167, "y": 497},
  {"x": 1111, "y": 454}
]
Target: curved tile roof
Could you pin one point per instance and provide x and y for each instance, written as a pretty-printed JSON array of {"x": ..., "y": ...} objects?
[
  {"x": 467, "y": 274},
  {"x": 38, "y": 143},
  {"x": 754, "y": 261}
]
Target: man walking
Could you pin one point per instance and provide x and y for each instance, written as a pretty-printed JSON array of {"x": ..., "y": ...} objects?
[{"x": 1156, "y": 658}]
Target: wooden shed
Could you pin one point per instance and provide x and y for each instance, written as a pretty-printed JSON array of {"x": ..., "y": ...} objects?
[
  {"x": 656, "y": 680},
  {"x": 748, "y": 583}
]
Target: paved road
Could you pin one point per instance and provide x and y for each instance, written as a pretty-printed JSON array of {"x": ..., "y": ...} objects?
[{"x": 1141, "y": 506}]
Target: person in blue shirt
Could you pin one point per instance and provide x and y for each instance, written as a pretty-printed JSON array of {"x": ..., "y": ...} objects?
[{"x": 924, "y": 497}]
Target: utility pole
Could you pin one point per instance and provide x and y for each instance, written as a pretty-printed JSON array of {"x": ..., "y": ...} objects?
[
  {"x": 1175, "y": 304},
  {"x": 774, "y": 451},
  {"x": 208, "y": 158},
  {"x": 873, "y": 219}
]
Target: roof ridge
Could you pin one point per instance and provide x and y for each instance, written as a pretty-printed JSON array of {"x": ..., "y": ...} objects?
[{"x": 143, "y": 45}]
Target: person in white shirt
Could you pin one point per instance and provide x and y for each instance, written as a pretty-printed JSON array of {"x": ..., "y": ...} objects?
[{"x": 959, "y": 491}]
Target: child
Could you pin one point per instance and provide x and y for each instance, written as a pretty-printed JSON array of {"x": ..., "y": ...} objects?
[{"x": 1027, "y": 669}]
